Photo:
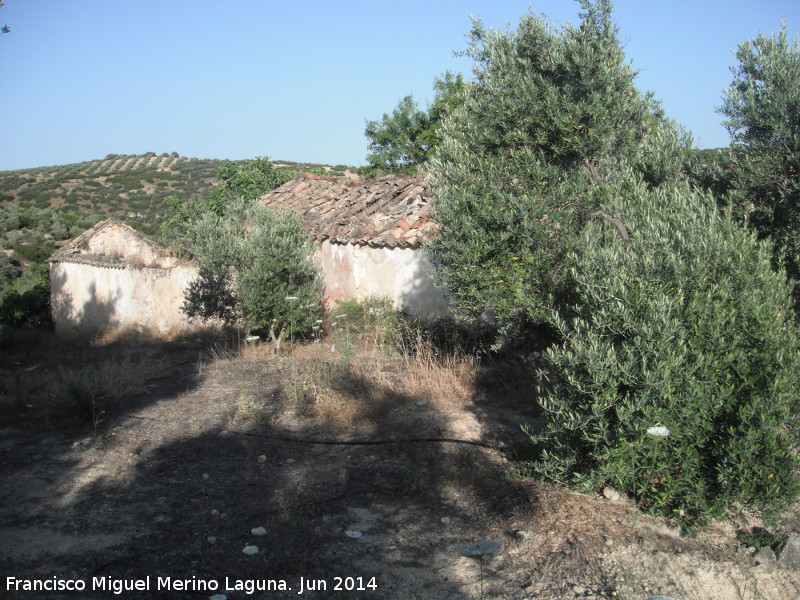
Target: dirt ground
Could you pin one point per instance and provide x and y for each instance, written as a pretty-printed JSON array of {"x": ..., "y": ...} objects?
[{"x": 234, "y": 473}]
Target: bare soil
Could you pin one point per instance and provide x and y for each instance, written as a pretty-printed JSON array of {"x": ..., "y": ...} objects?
[{"x": 384, "y": 486}]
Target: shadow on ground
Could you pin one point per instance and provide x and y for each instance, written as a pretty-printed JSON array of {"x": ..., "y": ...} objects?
[
  {"x": 174, "y": 483},
  {"x": 238, "y": 470}
]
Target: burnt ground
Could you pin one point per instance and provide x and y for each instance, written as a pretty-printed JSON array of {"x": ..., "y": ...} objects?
[{"x": 321, "y": 469}]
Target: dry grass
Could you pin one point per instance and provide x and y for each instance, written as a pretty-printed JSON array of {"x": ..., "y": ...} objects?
[
  {"x": 349, "y": 384},
  {"x": 138, "y": 334},
  {"x": 432, "y": 374},
  {"x": 70, "y": 396},
  {"x": 358, "y": 395}
]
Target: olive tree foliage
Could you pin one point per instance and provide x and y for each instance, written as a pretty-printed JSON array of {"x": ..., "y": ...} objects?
[
  {"x": 762, "y": 106},
  {"x": 677, "y": 380},
  {"x": 257, "y": 268},
  {"x": 525, "y": 160},
  {"x": 236, "y": 180},
  {"x": 405, "y": 139},
  {"x": 246, "y": 179}
]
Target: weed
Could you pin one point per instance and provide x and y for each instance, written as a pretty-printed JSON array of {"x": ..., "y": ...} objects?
[
  {"x": 434, "y": 373},
  {"x": 374, "y": 320},
  {"x": 758, "y": 538}
]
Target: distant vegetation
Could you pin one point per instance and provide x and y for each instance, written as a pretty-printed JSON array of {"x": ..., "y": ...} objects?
[{"x": 44, "y": 206}]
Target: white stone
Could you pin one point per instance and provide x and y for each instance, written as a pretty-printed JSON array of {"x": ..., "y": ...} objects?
[{"x": 353, "y": 533}]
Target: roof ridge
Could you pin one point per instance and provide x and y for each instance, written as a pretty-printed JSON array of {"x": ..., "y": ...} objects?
[
  {"x": 307, "y": 175},
  {"x": 74, "y": 246}
]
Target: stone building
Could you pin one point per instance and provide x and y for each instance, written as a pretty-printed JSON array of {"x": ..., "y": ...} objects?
[
  {"x": 112, "y": 275},
  {"x": 369, "y": 236}
]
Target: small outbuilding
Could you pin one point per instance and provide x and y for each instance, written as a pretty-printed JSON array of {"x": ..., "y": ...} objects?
[
  {"x": 113, "y": 276},
  {"x": 369, "y": 236}
]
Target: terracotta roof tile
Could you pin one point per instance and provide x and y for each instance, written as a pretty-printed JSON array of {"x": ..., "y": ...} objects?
[{"x": 388, "y": 211}]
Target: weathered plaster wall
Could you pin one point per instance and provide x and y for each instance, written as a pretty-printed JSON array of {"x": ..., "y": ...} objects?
[
  {"x": 90, "y": 293},
  {"x": 401, "y": 274},
  {"x": 88, "y": 298},
  {"x": 118, "y": 240}
]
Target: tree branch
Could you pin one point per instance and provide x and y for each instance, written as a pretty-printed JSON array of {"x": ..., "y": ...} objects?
[{"x": 616, "y": 221}]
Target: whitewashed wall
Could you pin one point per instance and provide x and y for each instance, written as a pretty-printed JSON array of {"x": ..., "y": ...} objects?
[
  {"x": 401, "y": 274},
  {"x": 87, "y": 298}
]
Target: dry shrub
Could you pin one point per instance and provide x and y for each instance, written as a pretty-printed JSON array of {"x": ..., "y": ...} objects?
[
  {"x": 357, "y": 395},
  {"x": 346, "y": 397},
  {"x": 449, "y": 377}
]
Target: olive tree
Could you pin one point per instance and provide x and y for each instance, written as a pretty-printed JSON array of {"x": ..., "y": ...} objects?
[
  {"x": 525, "y": 159},
  {"x": 257, "y": 268},
  {"x": 676, "y": 380},
  {"x": 236, "y": 180},
  {"x": 762, "y": 106}
]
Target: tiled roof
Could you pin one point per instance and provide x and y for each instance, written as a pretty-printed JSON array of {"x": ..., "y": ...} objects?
[
  {"x": 387, "y": 211},
  {"x": 113, "y": 244}
]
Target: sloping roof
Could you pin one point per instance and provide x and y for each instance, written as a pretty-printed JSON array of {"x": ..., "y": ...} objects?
[
  {"x": 390, "y": 211},
  {"x": 113, "y": 244}
]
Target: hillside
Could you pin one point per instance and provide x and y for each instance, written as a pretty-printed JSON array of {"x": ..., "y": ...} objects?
[
  {"x": 131, "y": 187},
  {"x": 134, "y": 188}
]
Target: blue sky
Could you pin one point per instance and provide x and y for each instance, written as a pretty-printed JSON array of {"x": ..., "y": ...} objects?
[{"x": 296, "y": 80}]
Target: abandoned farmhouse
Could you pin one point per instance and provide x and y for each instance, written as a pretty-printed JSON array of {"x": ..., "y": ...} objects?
[{"x": 368, "y": 237}]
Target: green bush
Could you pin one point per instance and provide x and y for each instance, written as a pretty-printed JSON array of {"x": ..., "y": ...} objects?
[
  {"x": 375, "y": 318},
  {"x": 9, "y": 269},
  {"x": 762, "y": 106},
  {"x": 247, "y": 179},
  {"x": 59, "y": 230},
  {"x": 685, "y": 327},
  {"x": 256, "y": 267},
  {"x": 26, "y": 301},
  {"x": 551, "y": 116},
  {"x": 35, "y": 252}
]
